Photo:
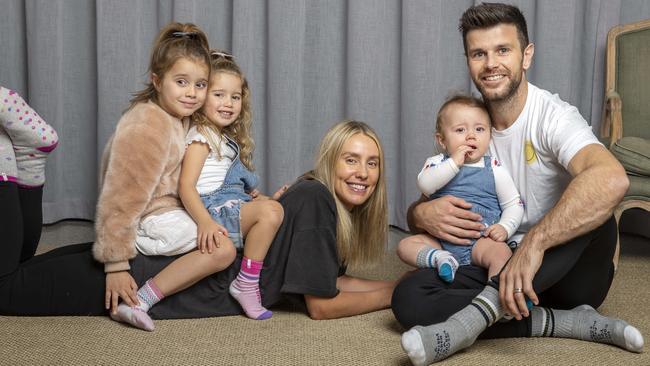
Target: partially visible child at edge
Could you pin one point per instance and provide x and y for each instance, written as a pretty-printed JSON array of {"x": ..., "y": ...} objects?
[
  {"x": 216, "y": 183},
  {"x": 465, "y": 171},
  {"x": 26, "y": 141},
  {"x": 152, "y": 132}
]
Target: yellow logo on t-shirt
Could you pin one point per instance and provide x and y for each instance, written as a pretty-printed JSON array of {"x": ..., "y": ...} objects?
[{"x": 529, "y": 153}]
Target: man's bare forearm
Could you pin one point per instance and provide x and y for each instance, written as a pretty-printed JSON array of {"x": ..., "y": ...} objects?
[{"x": 598, "y": 185}]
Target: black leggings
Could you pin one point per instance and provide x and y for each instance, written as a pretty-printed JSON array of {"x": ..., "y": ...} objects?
[
  {"x": 45, "y": 284},
  {"x": 578, "y": 272},
  {"x": 21, "y": 217},
  {"x": 69, "y": 281}
]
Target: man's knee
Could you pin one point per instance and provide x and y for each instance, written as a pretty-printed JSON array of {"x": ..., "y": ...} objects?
[
  {"x": 607, "y": 234},
  {"x": 575, "y": 296},
  {"x": 402, "y": 304},
  {"x": 589, "y": 271},
  {"x": 414, "y": 298}
]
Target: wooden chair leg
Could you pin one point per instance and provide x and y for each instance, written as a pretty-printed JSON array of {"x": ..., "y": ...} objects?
[{"x": 617, "y": 215}]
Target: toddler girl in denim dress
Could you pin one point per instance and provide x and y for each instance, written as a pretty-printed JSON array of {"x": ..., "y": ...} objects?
[
  {"x": 466, "y": 172},
  {"x": 217, "y": 185},
  {"x": 224, "y": 182}
]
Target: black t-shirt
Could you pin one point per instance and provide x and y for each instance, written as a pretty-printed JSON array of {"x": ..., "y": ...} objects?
[{"x": 302, "y": 260}]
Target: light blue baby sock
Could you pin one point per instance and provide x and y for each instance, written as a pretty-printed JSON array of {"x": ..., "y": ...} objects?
[{"x": 440, "y": 259}]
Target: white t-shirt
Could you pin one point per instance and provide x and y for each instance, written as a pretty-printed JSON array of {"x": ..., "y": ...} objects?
[
  {"x": 214, "y": 169},
  {"x": 537, "y": 148}
]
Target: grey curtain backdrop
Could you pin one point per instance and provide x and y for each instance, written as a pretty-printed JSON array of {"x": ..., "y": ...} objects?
[{"x": 310, "y": 63}]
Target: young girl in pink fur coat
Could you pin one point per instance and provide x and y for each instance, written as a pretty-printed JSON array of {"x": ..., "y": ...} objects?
[{"x": 142, "y": 166}]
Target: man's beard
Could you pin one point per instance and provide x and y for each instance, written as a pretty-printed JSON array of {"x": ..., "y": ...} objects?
[{"x": 511, "y": 90}]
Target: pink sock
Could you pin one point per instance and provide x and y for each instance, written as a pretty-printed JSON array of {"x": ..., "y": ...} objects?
[
  {"x": 246, "y": 290},
  {"x": 133, "y": 315},
  {"x": 148, "y": 296}
]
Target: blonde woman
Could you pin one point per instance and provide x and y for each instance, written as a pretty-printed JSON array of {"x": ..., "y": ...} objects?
[
  {"x": 346, "y": 214},
  {"x": 334, "y": 216}
]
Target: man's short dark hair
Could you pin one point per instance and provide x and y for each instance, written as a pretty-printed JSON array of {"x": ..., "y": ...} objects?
[{"x": 488, "y": 15}]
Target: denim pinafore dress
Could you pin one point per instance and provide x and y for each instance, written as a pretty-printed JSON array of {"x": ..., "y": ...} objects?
[
  {"x": 476, "y": 186},
  {"x": 224, "y": 203}
]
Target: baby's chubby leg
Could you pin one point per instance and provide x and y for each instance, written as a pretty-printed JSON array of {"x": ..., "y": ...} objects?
[
  {"x": 409, "y": 247},
  {"x": 491, "y": 255},
  {"x": 424, "y": 251}
]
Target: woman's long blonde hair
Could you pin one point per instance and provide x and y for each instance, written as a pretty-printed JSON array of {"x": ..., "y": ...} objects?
[
  {"x": 240, "y": 129},
  {"x": 362, "y": 232}
]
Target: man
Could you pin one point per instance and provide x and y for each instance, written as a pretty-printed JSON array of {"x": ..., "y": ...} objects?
[{"x": 570, "y": 185}]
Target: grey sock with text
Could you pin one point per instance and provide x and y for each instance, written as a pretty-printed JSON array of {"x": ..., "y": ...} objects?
[
  {"x": 584, "y": 323},
  {"x": 425, "y": 345}
]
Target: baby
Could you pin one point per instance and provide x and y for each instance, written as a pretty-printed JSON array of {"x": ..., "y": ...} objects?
[{"x": 465, "y": 171}]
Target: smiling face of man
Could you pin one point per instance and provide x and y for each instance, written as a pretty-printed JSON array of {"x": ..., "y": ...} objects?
[{"x": 496, "y": 61}]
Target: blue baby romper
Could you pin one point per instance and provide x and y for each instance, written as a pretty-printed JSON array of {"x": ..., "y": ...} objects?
[{"x": 476, "y": 186}]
